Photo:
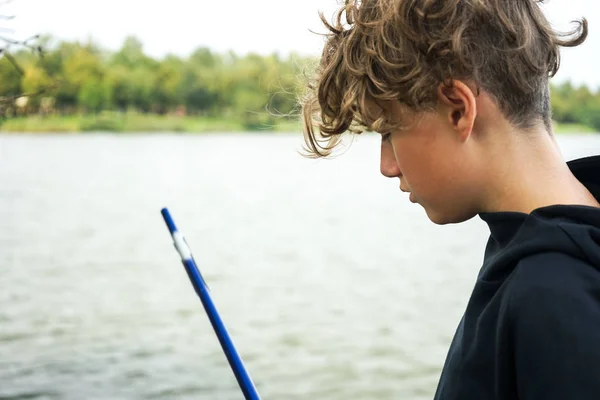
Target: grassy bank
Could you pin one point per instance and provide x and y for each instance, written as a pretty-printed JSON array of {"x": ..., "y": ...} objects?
[
  {"x": 134, "y": 122},
  {"x": 573, "y": 128}
]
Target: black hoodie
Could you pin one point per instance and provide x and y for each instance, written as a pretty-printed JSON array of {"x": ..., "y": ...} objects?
[{"x": 531, "y": 330}]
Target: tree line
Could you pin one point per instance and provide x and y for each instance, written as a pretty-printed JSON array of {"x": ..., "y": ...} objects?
[
  {"x": 76, "y": 77},
  {"x": 83, "y": 78}
]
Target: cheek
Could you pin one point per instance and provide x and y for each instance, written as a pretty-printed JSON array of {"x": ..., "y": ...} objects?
[
  {"x": 419, "y": 165},
  {"x": 430, "y": 172}
]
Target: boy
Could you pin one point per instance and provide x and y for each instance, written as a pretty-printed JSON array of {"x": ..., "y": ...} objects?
[{"x": 459, "y": 91}]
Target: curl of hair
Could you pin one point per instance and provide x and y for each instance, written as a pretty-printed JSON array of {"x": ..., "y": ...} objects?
[{"x": 402, "y": 50}]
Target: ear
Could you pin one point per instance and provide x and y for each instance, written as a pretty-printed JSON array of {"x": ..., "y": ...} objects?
[{"x": 460, "y": 105}]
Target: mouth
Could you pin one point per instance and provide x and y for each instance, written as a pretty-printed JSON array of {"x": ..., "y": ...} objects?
[{"x": 411, "y": 196}]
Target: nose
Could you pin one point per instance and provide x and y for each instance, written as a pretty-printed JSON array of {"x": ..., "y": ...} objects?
[{"x": 388, "y": 165}]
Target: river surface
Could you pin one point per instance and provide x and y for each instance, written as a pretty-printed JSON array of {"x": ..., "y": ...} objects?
[{"x": 332, "y": 284}]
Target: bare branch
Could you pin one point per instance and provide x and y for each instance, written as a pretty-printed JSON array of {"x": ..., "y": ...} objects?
[
  {"x": 12, "y": 60},
  {"x": 10, "y": 99},
  {"x": 24, "y": 43},
  {"x": 9, "y": 41},
  {"x": 28, "y": 43}
]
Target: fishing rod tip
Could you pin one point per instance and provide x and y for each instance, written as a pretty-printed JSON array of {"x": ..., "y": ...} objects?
[{"x": 168, "y": 219}]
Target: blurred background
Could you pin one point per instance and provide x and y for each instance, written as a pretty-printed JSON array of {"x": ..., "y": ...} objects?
[{"x": 332, "y": 284}]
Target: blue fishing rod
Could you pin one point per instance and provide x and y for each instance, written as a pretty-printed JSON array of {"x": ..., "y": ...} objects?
[{"x": 235, "y": 361}]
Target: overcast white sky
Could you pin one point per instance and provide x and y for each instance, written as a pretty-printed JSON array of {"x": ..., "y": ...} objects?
[{"x": 263, "y": 26}]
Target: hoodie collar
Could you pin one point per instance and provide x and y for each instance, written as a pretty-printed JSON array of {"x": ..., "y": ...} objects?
[{"x": 505, "y": 224}]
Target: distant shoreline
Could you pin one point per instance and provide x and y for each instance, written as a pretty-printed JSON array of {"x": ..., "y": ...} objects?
[
  {"x": 136, "y": 122},
  {"x": 150, "y": 123}
]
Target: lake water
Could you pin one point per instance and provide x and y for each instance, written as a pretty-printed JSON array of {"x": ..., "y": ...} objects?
[{"x": 331, "y": 283}]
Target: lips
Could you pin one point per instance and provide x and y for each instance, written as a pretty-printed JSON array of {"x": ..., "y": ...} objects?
[{"x": 411, "y": 197}]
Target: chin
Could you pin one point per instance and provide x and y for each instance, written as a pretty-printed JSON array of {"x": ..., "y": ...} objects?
[{"x": 446, "y": 217}]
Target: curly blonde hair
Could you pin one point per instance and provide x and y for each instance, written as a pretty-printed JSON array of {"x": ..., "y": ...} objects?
[{"x": 402, "y": 50}]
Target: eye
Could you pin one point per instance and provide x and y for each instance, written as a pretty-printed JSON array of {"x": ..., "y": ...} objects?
[{"x": 385, "y": 137}]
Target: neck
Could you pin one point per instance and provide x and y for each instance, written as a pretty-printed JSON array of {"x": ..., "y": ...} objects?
[{"x": 526, "y": 171}]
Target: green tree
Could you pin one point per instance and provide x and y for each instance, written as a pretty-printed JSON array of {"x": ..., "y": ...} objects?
[
  {"x": 34, "y": 82},
  {"x": 131, "y": 54},
  {"x": 10, "y": 79},
  {"x": 81, "y": 65},
  {"x": 95, "y": 95},
  {"x": 132, "y": 75},
  {"x": 167, "y": 81}
]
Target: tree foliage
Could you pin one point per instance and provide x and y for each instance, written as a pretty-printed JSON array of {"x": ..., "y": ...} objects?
[{"x": 254, "y": 89}]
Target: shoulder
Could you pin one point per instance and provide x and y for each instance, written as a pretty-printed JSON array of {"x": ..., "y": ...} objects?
[
  {"x": 554, "y": 271},
  {"x": 553, "y": 283},
  {"x": 553, "y": 327}
]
